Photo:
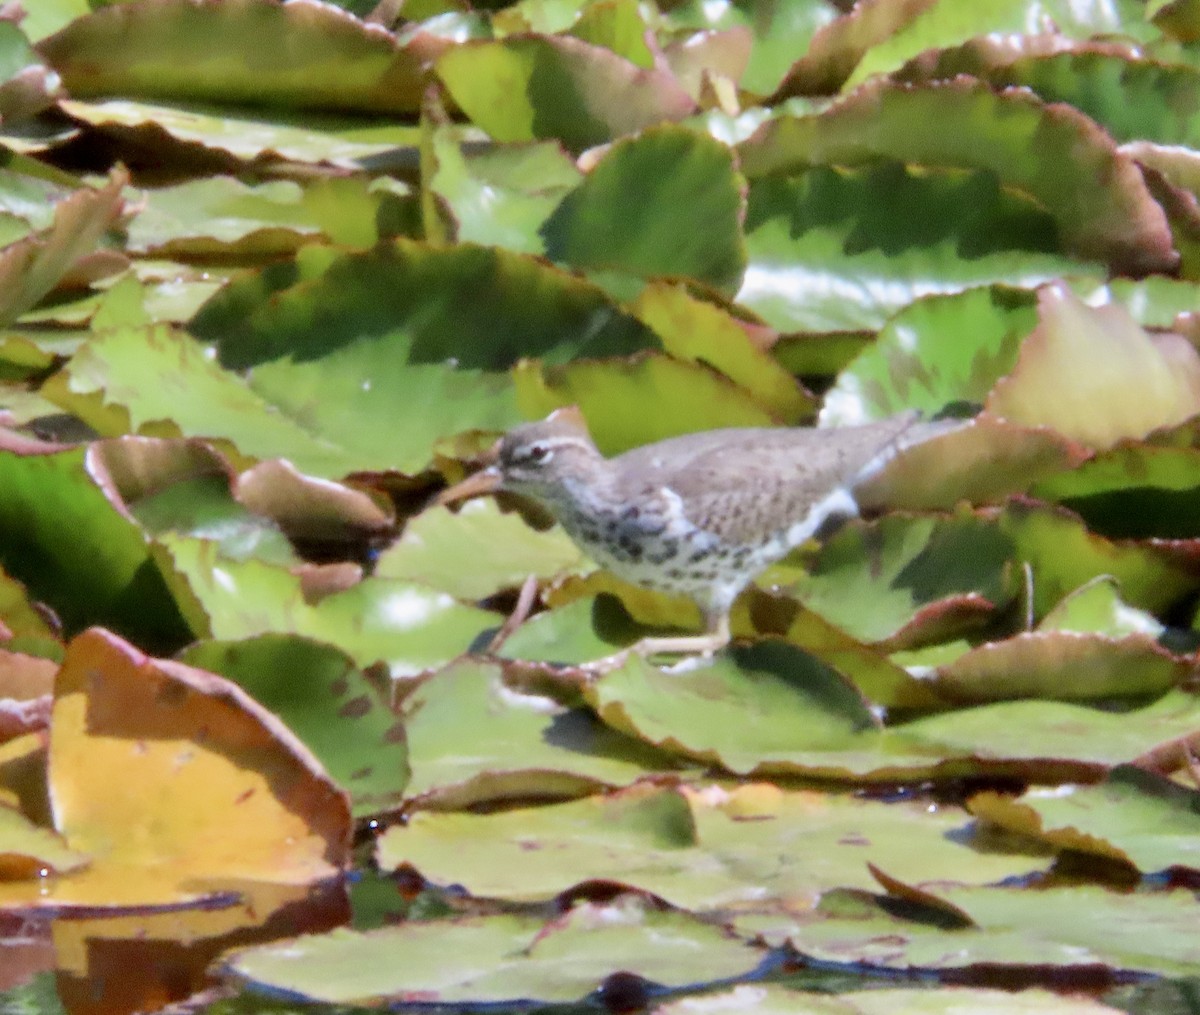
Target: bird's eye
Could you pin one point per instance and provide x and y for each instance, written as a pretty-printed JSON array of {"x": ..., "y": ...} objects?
[{"x": 537, "y": 453}]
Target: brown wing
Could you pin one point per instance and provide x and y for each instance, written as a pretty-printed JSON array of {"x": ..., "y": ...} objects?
[{"x": 743, "y": 482}]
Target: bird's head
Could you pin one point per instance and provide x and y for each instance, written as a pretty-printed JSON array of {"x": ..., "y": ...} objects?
[{"x": 543, "y": 460}]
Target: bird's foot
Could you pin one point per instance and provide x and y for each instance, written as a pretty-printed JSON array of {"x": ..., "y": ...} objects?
[{"x": 697, "y": 651}]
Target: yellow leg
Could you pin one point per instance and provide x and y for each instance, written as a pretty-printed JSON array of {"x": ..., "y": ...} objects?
[{"x": 697, "y": 646}]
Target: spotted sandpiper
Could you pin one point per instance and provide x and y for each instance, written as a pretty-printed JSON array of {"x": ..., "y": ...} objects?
[{"x": 699, "y": 515}]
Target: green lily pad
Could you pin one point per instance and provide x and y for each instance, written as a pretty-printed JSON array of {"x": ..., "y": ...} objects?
[
  {"x": 701, "y": 849},
  {"x": 526, "y": 88},
  {"x": 173, "y": 49},
  {"x": 1133, "y": 98},
  {"x": 476, "y": 960},
  {"x": 585, "y": 629},
  {"x": 611, "y": 394},
  {"x": 906, "y": 578},
  {"x": 667, "y": 202},
  {"x": 837, "y": 250},
  {"x": 1063, "y": 740},
  {"x": 982, "y": 461},
  {"x": 1134, "y": 490},
  {"x": 408, "y": 627},
  {"x": 779, "y": 32},
  {"x": 327, "y": 702},
  {"x": 1015, "y": 929},
  {"x": 1101, "y": 206},
  {"x": 1133, "y": 816},
  {"x": 1066, "y": 665},
  {"x": 617, "y": 25},
  {"x": 751, "y": 711},
  {"x": 367, "y": 350},
  {"x": 703, "y": 332},
  {"x": 473, "y": 740},
  {"x": 158, "y": 380},
  {"x": 502, "y": 195},
  {"x": 1064, "y": 554},
  {"x": 941, "y": 26},
  {"x": 477, "y": 551},
  {"x": 31, "y": 267},
  {"x": 921, "y": 359},
  {"x": 103, "y": 573},
  {"x": 1142, "y": 383},
  {"x": 246, "y": 133},
  {"x": 221, "y": 216}
]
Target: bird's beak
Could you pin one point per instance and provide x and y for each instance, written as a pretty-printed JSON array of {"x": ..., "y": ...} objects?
[
  {"x": 478, "y": 483},
  {"x": 475, "y": 485}
]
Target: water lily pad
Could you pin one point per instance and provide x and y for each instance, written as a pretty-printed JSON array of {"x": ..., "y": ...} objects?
[
  {"x": 788, "y": 704},
  {"x": 701, "y": 849},
  {"x": 1133, "y": 816},
  {"x": 477, "y": 551},
  {"x": 247, "y": 134},
  {"x": 160, "y": 381},
  {"x": 409, "y": 627},
  {"x": 103, "y": 572},
  {"x": 326, "y": 701},
  {"x": 1061, "y": 740},
  {"x": 473, "y": 740},
  {"x": 1143, "y": 384},
  {"x": 225, "y": 793},
  {"x": 367, "y": 350},
  {"x": 503, "y": 194},
  {"x": 883, "y": 582},
  {"x": 172, "y": 49},
  {"x": 1064, "y": 553},
  {"x": 1020, "y": 930},
  {"x": 842, "y": 250},
  {"x": 612, "y": 393},
  {"x": 526, "y": 88},
  {"x": 667, "y": 202},
  {"x": 1102, "y": 206},
  {"x": 1067, "y": 665},
  {"x": 32, "y": 267},
  {"x": 511, "y": 958},
  {"x": 923, "y": 358},
  {"x": 702, "y": 332}
]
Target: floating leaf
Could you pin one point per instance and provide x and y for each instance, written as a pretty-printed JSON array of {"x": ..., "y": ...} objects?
[
  {"x": 474, "y": 740},
  {"x": 246, "y": 133},
  {"x": 667, "y": 202},
  {"x": 1101, "y": 205},
  {"x": 877, "y": 582},
  {"x": 835, "y": 250},
  {"x": 409, "y": 627},
  {"x": 477, "y": 551},
  {"x": 327, "y": 702},
  {"x": 225, "y": 794},
  {"x": 525, "y": 88},
  {"x": 1142, "y": 383},
  {"x": 31, "y": 268},
  {"x": 702, "y": 332},
  {"x": 792, "y": 707},
  {"x": 702, "y": 850},
  {"x": 1133, "y": 816},
  {"x": 923, "y": 359},
  {"x": 173, "y": 49},
  {"x": 103, "y": 572},
  {"x": 366, "y": 350}
]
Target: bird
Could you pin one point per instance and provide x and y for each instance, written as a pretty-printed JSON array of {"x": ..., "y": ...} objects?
[{"x": 699, "y": 515}]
